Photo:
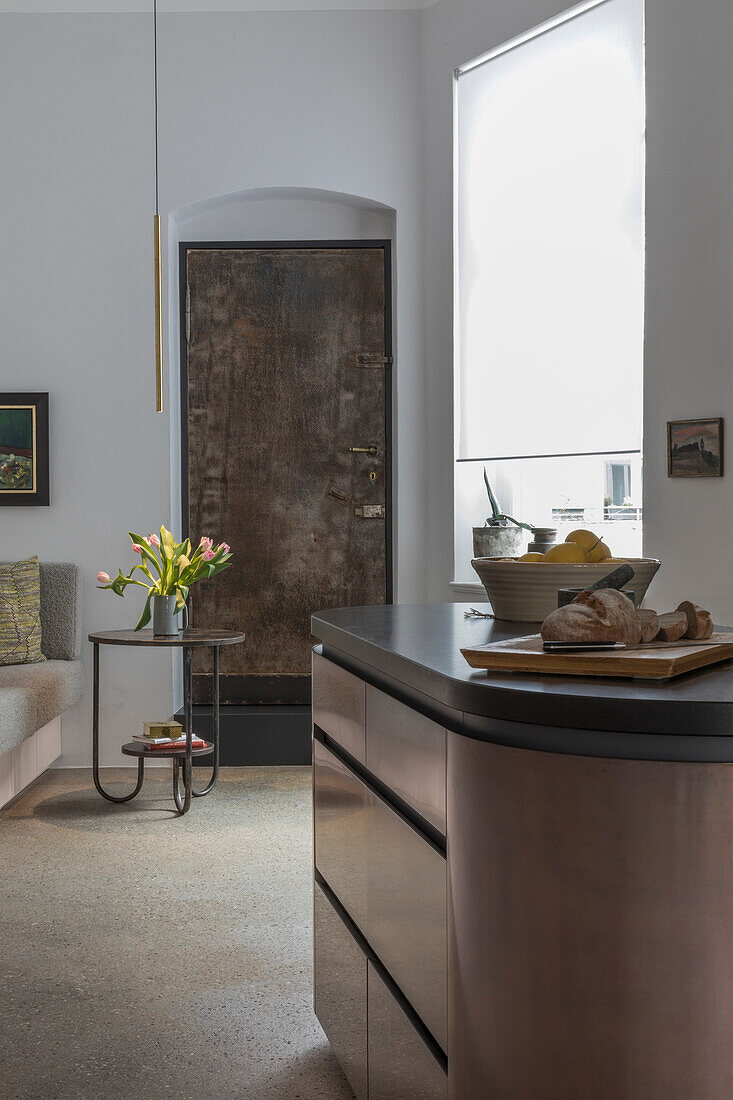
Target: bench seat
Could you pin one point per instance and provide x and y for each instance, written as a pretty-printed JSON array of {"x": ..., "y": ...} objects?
[{"x": 31, "y": 695}]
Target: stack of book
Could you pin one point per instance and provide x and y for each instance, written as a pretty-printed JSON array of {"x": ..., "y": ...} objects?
[{"x": 166, "y": 735}]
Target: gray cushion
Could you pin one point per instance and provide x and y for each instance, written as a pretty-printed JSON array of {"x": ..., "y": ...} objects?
[
  {"x": 17, "y": 715},
  {"x": 31, "y": 695},
  {"x": 60, "y": 610}
]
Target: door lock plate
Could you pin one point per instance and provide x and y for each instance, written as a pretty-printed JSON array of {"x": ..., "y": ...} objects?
[{"x": 370, "y": 511}]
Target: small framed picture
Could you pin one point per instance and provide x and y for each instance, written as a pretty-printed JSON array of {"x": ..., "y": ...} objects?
[
  {"x": 695, "y": 448},
  {"x": 24, "y": 448}
]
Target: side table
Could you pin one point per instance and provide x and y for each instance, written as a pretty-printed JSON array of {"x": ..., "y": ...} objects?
[{"x": 188, "y": 640}]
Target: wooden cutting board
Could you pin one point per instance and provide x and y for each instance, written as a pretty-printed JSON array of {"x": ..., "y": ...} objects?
[{"x": 656, "y": 661}]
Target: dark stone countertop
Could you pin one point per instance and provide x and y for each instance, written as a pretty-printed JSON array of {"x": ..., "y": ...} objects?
[{"x": 413, "y": 652}]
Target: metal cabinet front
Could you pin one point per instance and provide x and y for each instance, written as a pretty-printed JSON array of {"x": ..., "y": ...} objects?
[
  {"x": 339, "y": 705},
  {"x": 340, "y": 991},
  {"x": 401, "y": 1065},
  {"x": 340, "y": 807},
  {"x": 407, "y": 752},
  {"x": 391, "y": 880}
]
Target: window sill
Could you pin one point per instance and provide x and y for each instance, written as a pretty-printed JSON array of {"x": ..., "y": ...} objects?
[{"x": 469, "y": 589}]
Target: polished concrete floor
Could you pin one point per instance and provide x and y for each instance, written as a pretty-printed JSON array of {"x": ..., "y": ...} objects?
[{"x": 144, "y": 955}]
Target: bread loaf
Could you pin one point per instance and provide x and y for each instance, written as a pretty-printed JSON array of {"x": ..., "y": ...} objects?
[
  {"x": 699, "y": 623},
  {"x": 649, "y": 623},
  {"x": 672, "y": 626},
  {"x": 601, "y": 616}
]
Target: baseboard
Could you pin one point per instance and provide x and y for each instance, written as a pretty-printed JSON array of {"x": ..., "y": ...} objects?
[
  {"x": 21, "y": 765},
  {"x": 257, "y": 735}
]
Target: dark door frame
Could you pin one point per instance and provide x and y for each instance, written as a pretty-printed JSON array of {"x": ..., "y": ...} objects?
[{"x": 386, "y": 245}]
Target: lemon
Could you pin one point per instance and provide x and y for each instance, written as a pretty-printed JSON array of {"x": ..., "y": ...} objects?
[
  {"x": 532, "y": 557},
  {"x": 567, "y": 552},
  {"x": 596, "y": 547}
]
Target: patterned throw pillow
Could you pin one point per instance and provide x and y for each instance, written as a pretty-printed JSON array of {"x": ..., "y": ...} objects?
[{"x": 20, "y": 613}]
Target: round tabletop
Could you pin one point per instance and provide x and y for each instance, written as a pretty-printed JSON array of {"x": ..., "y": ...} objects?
[
  {"x": 136, "y": 748},
  {"x": 195, "y": 636}
]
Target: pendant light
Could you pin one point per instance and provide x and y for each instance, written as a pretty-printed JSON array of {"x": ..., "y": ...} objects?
[{"x": 156, "y": 236}]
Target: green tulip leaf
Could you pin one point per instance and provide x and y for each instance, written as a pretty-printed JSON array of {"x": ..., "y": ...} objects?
[{"x": 145, "y": 617}]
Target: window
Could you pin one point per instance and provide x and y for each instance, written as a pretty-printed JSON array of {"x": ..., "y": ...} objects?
[{"x": 549, "y": 278}]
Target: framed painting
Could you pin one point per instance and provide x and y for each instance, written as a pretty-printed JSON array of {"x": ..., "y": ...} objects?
[
  {"x": 695, "y": 448},
  {"x": 24, "y": 448}
]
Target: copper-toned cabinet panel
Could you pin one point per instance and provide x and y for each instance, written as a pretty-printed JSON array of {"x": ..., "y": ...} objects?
[
  {"x": 340, "y": 815},
  {"x": 340, "y": 991},
  {"x": 406, "y": 912},
  {"x": 339, "y": 705},
  {"x": 390, "y": 879},
  {"x": 407, "y": 752},
  {"x": 401, "y": 1066}
]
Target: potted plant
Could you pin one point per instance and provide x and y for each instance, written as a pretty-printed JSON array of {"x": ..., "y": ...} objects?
[
  {"x": 497, "y": 539},
  {"x": 171, "y": 568}
]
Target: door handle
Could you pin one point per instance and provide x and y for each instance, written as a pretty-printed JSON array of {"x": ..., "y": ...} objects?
[{"x": 364, "y": 450}]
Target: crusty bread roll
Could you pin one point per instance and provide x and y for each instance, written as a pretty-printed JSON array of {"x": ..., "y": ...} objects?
[
  {"x": 699, "y": 623},
  {"x": 672, "y": 626},
  {"x": 604, "y": 615},
  {"x": 649, "y": 623}
]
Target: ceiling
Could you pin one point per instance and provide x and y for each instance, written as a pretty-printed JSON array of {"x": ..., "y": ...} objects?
[{"x": 30, "y": 7}]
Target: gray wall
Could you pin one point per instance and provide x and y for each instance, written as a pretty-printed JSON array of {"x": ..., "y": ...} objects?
[
  {"x": 689, "y": 285},
  {"x": 321, "y": 100}
]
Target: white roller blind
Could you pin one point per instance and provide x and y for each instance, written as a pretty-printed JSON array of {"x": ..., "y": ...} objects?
[{"x": 549, "y": 234}]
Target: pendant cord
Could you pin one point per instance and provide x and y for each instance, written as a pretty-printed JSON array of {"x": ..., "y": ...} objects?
[{"x": 155, "y": 80}]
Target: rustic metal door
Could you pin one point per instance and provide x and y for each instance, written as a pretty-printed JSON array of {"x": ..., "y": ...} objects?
[{"x": 286, "y": 397}]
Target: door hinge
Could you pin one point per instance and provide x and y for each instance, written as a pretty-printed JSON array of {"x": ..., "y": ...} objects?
[
  {"x": 370, "y": 511},
  {"x": 188, "y": 313},
  {"x": 371, "y": 359}
]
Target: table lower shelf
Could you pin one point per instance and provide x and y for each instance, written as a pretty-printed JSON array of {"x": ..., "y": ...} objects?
[{"x": 136, "y": 748}]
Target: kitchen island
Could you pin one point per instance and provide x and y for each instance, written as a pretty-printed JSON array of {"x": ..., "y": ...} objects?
[{"x": 524, "y": 884}]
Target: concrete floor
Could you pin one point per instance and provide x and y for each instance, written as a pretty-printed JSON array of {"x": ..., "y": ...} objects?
[{"x": 144, "y": 955}]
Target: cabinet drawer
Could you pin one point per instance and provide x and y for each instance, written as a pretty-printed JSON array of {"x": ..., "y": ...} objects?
[
  {"x": 339, "y": 701},
  {"x": 340, "y": 990},
  {"x": 401, "y": 1065},
  {"x": 407, "y": 752},
  {"x": 390, "y": 879}
]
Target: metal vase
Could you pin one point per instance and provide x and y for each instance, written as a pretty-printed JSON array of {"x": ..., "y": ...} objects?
[
  {"x": 165, "y": 615},
  {"x": 496, "y": 542}
]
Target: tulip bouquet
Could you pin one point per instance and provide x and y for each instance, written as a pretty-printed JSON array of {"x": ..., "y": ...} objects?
[{"x": 170, "y": 568}]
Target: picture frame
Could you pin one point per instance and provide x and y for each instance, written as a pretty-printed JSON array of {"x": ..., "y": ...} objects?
[
  {"x": 695, "y": 447},
  {"x": 24, "y": 455}
]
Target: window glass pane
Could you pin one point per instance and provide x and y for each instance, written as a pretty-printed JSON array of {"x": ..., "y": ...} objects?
[
  {"x": 549, "y": 280},
  {"x": 564, "y": 493}
]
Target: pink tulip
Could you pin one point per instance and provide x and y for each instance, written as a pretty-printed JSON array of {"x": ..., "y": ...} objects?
[
  {"x": 137, "y": 547},
  {"x": 206, "y": 542},
  {"x": 207, "y": 555},
  {"x": 153, "y": 540},
  {"x": 103, "y": 578},
  {"x": 225, "y": 547}
]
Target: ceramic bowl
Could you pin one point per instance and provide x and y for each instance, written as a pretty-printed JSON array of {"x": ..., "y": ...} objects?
[{"x": 526, "y": 591}]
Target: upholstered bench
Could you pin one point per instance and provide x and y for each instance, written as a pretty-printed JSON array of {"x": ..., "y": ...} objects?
[{"x": 33, "y": 697}]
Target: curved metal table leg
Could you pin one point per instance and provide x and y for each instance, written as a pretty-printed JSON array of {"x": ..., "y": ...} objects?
[
  {"x": 183, "y": 801},
  {"x": 95, "y": 746},
  {"x": 215, "y": 735}
]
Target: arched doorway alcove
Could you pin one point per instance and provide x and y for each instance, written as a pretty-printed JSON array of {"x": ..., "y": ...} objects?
[{"x": 285, "y": 359}]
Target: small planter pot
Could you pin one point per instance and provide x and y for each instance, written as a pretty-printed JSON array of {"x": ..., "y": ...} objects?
[
  {"x": 165, "y": 616},
  {"x": 497, "y": 542},
  {"x": 543, "y": 538}
]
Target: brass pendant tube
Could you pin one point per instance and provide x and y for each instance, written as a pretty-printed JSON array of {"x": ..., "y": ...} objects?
[{"x": 158, "y": 317}]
